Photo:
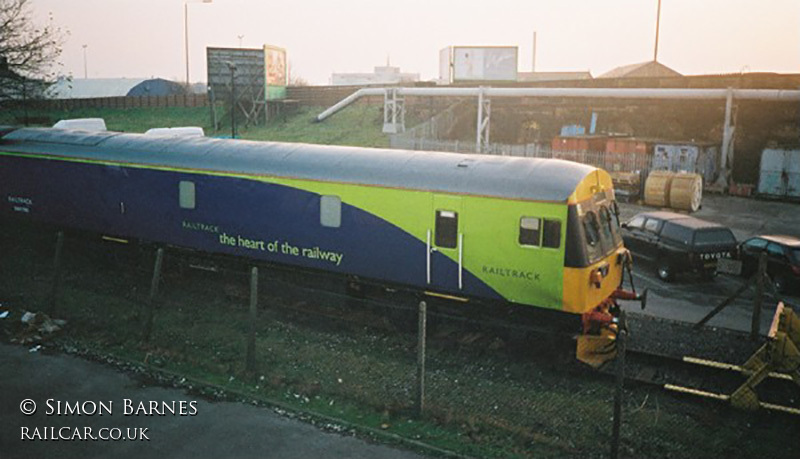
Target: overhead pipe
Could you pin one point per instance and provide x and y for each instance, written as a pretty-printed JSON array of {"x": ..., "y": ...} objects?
[
  {"x": 349, "y": 100},
  {"x": 787, "y": 95}
]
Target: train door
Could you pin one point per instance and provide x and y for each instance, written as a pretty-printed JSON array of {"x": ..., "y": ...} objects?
[
  {"x": 445, "y": 244},
  {"x": 113, "y": 185}
]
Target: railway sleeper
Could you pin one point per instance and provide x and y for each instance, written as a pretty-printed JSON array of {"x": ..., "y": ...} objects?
[{"x": 778, "y": 358}]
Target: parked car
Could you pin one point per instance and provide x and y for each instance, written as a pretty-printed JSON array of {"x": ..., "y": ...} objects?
[
  {"x": 783, "y": 259},
  {"x": 678, "y": 243}
]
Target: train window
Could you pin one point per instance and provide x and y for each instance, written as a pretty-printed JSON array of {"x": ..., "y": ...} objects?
[
  {"x": 186, "y": 194},
  {"x": 330, "y": 211},
  {"x": 605, "y": 223},
  {"x": 591, "y": 227},
  {"x": 551, "y": 236},
  {"x": 530, "y": 231},
  {"x": 446, "y": 229}
]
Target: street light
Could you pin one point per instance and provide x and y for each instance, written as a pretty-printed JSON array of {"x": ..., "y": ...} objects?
[
  {"x": 85, "y": 71},
  {"x": 232, "y": 67},
  {"x": 240, "y": 40},
  {"x": 186, "y": 35}
]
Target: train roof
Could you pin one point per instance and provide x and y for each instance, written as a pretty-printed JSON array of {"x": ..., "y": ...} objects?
[{"x": 509, "y": 177}]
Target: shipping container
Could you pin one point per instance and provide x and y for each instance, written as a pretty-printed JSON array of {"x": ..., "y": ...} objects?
[
  {"x": 696, "y": 157},
  {"x": 627, "y": 153},
  {"x": 574, "y": 148},
  {"x": 780, "y": 173}
]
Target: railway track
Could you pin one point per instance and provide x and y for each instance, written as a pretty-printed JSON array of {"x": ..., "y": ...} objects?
[{"x": 708, "y": 379}]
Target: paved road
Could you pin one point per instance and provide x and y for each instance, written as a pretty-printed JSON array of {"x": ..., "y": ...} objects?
[
  {"x": 217, "y": 430},
  {"x": 689, "y": 298}
]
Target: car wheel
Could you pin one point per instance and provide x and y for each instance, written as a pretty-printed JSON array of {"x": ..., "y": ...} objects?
[
  {"x": 664, "y": 272},
  {"x": 779, "y": 282}
]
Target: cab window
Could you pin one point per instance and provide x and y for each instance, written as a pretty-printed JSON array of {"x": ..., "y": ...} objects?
[
  {"x": 551, "y": 238},
  {"x": 530, "y": 231},
  {"x": 539, "y": 232}
]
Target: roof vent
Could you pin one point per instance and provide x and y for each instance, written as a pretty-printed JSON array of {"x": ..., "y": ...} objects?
[
  {"x": 82, "y": 124},
  {"x": 185, "y": 131}
]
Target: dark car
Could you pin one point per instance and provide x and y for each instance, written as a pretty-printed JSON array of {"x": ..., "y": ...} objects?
[
  {"x": 783, "y": 259},
  {"x": 678, "y": 243}
]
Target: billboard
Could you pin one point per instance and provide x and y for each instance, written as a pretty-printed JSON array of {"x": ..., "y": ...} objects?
[
  {"x": 276, "y": 72},
  {"x": 445, "y": 58},
  {"x": 248, "y": 73},
  {"x": 483, "y": 63}
]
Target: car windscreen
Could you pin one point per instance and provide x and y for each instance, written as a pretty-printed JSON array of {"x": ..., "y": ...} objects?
[
  {"x": 717, "y": 236},
  {"x": 795, "y": 254}
]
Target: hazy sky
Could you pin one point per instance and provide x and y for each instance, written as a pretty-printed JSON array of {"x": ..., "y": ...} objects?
[{"x": 144, "y": 38}]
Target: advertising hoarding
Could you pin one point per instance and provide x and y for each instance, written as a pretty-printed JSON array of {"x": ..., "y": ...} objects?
[
  {"x": 276, "y": 72},
  {"x": 483, "y": 63}
]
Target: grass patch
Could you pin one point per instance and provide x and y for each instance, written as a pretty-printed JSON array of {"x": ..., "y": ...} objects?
[
  {"x": 357, "y": 125},
  {"x": 480, "y": 402}
]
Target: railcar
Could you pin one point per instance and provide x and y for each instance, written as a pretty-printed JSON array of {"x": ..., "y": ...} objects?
[{"x": 529, "y": 231}]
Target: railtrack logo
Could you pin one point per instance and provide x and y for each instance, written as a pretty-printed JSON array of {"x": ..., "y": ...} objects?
[{"x": 512, "y": 273}]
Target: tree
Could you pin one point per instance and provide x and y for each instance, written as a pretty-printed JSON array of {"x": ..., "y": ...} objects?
[{"x": 28, "y": 51}]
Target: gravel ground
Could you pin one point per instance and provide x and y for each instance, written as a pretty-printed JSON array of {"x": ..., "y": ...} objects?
[{"x": 678, "y": 339}]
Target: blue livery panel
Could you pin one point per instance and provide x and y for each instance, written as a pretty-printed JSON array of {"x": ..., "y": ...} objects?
[{"x": 236, "y": 216}]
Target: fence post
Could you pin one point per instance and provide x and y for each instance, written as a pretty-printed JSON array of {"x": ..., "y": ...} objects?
[
  {"x": 148, "y": 324},
  {"x": 56, "y": 286},
  {"x": 618, "y": 394},
  {"x": 755, "y": 326},
  {"x": 250, "y": 357},
  {"x": 421, "y": 358}
]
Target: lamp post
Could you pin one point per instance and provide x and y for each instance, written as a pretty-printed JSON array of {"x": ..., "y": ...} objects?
[
  {"x": 658, "y": 25},
  {"x": 85, "y": 68},
  {"x": 186, "y": 35},
  {"x": 240, "y": 40},
  {"x": 232, "y": 67}
]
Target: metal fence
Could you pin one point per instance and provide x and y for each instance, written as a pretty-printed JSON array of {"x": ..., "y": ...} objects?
[
  {"x": 347, "y": 357},
  {"x": 612, "y": 162}
]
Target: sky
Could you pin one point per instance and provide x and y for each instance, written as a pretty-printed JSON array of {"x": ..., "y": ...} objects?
[{"x": 145, "y": 38}]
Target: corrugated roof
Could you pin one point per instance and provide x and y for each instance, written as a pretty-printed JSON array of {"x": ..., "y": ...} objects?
[
  {"x": 642, "y": 69},
  {"x": 519, "y": 178},
  {"x": 83, "y": 88},
  {"x": 553, "y": 76}
]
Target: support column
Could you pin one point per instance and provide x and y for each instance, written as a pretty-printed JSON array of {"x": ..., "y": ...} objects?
[
  {"x": 148, "y": 324},
  {"x": 55, "y": 291},
  {"x": 421, "y": 332},
  {"x": 394, "y": 112},
  {"x": 484, "y": 116},
  {"x": 726, "y": 152},
  {"x": 758, "y": 300},
  {"x": 250, "y": 358}
]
